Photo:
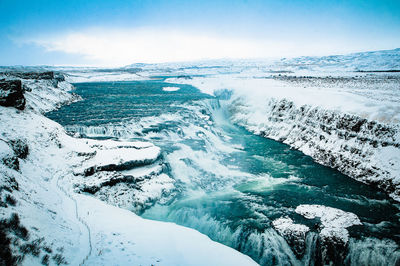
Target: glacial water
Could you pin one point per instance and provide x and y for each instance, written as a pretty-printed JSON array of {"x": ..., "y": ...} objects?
[{"x": 231, "y": 184}]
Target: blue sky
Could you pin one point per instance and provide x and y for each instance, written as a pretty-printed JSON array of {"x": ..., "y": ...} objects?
[{"x": 117, "y": 32}]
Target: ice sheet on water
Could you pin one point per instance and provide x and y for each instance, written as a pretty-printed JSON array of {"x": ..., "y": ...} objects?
[{"x": 171, "y": 88}]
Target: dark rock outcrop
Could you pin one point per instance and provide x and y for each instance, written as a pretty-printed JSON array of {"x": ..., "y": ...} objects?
[
  {"x": 11, "y": 94},
  {"x": 332, "y": 251},
  {"x": 118, "y": 167},
  {"x": 11, "y": 162},
  {"x": 30, "y": 75},
  {"x": 20, "y": 148}
]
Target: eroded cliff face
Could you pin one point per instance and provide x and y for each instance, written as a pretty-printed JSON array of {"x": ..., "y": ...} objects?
[{"x": 368, "y": 151}]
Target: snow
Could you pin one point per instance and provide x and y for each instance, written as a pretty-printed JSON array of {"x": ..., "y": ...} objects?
[
  {"x": 333, "y": 221},
  {"x": 44, "y": 95},
  {"x": 122, "y": 157},
  {"x": 143, "y": 171},
  {"x": 286, "y": 226},
  {"x": 257, "y": 91},
  {"x": 90, "y": 75},
  {"x": 5, "y": 150},
  {"x": 43, "y": 210},
  {"x": 122, "y": 238},
  {"x": 267, "y": 98},
  {"x": 363, "y": 61}
]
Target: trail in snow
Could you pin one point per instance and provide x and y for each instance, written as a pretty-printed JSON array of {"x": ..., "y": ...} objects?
[{"x": 80, "y": 220}]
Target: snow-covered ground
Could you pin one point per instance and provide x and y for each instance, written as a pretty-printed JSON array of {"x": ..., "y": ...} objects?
[{"x": 47, "y": 222}]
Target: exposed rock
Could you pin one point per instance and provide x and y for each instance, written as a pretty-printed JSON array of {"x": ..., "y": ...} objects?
[
  {"x": 95, "y": 182},
  {"x": 11, "y": 94},
  {"x": 117, "y": 156},
  {"x": 125, "y": 174},
  {"x": 46, "y": 95},
  {"x": 134, "y": 189},
  {"x": 368, "y": 151},
  {"x": 334, "y": 236},
  {"x": 138, "y": 196},
  {"x": 11, "y": 162},
  {"x": 7, "y": 156},
  {"x": 331, "y": 244},
  {"x": 20, "y": 148},
  {"x": 294, "y": 234},
  {"x": 334, "y": 221},
  {"x": 59, "y": 77},
  {"x": 31, "y": 75},
  {"x": 98, "y": 180}
]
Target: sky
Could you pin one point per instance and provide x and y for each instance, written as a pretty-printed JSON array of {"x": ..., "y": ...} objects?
[{"x": 118, "y": 33}]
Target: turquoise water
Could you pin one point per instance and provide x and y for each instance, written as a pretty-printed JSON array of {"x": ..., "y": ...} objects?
[{"x": 232, "y": 184}]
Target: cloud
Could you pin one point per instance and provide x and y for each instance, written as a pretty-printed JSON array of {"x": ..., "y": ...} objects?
[
  {"x": 121, "y": 47},
  {"x": 118, "y": 47}
]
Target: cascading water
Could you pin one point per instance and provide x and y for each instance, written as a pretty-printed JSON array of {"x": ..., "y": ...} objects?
[{"x": 231, "y": 184}]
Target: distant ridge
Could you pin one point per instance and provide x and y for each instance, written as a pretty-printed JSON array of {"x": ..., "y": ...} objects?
[{"x": 369, "y": 61}]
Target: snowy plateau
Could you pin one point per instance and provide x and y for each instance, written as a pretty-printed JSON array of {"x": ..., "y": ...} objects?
[{"x": 68, "y": 199}]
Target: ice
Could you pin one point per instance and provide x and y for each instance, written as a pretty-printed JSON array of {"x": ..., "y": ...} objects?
[{"x": 171, "y": 89}]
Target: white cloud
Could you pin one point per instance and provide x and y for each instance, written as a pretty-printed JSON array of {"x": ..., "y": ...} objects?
[
  {"x": 118, "y": 47},
  {"x": 121, "y": 47}
]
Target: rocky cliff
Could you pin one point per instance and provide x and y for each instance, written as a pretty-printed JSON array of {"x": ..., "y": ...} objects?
[{"x": 366, "y": 150}]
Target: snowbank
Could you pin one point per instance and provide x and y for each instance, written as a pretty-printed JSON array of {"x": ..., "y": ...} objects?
[{"x": 122, "y": 238}]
